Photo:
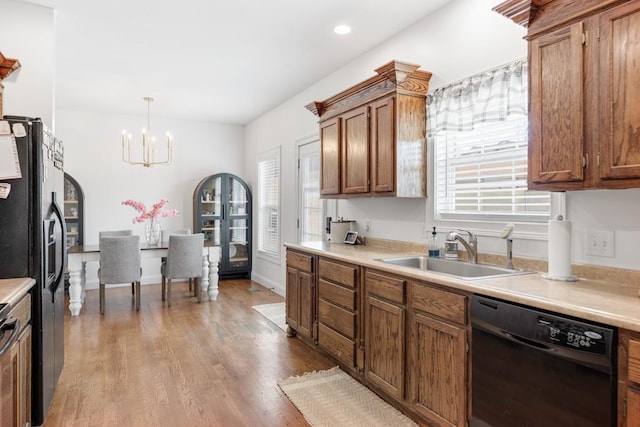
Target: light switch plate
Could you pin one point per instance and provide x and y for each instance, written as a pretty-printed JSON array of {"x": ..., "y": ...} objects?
[{"x": 601, "y": 243}]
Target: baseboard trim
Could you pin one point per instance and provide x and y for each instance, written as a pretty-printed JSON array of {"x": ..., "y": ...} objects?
[{"x": 278, "y": 288}]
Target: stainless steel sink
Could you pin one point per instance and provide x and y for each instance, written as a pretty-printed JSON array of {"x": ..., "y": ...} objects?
[{"x": 460, "y": 269}]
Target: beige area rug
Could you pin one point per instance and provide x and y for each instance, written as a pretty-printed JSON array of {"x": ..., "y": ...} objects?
[
  {"x": 332, "y": 398},
  {"x": 274, "y": 312}
]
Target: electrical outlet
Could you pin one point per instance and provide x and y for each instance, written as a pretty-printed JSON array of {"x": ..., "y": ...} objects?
[
  {"x": 363, "y": 226},
  {"x": 425, "y": 231},
  {"x": 601, "y": 243}
]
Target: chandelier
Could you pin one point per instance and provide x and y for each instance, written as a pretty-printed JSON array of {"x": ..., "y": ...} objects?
[{"x": 148, "y": 144}]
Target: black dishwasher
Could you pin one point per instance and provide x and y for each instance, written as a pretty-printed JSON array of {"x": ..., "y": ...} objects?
[{"x": 532, "y": 368}]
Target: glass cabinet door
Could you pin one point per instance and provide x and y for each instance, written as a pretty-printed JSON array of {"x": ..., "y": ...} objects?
[
  {"x": 211, "y": 210},
  {"x": 222, "y": 212},
  {"x": 73, "y": 211}
]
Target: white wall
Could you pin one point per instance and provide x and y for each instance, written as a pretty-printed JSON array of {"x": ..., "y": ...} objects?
[
  {"x": 93, "y": 157},
  {"x": 461, "y": 39},
  {"x": 27, "y": 33}
]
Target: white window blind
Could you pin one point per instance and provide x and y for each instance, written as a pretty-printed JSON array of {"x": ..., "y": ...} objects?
[
  {"x": 479, "y": 133},
  {"x": 269, "y": 204}
]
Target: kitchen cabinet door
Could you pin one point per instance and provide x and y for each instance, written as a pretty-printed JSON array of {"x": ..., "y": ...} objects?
[
  {"x": 330, "y": 156},
  {"x": 383, "y": 147},
  {"x": 300, "y": 301},
  {"x": 355, "y": 151},
  {"x": 620, "y": 92},
  {"x": 384, "y": 346},
  {"x": 385, "y": 327},
  {"x": 556, "y": 63},
  {"x": 437, "y": 371}
]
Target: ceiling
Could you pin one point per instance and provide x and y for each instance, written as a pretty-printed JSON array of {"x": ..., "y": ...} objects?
[{"x": 218, "y": 61}]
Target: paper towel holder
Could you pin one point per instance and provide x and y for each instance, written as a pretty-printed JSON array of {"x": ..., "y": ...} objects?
[{"x": 569, "y": 278}]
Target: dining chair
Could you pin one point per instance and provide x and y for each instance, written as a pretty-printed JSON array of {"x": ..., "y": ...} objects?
[
  {"x": 112, "y": 233},
  {"x": 165, "y": 241},
  {"x": 166, "y": 233},
  {"x": 119, "y": 263},
  {"x": 184, "y": 261}
]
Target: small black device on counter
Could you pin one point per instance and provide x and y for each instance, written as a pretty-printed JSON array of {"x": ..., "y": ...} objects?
[{"x": 351, "y": 237}]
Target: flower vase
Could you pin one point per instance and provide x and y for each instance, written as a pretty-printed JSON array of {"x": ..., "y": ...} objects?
[{"x": 152, "y": 232}]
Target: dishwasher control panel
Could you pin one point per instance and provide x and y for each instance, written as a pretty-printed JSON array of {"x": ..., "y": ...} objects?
[{"x": 570, "y": 334}]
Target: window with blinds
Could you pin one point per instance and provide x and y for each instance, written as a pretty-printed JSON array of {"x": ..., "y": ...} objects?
[
  {"x": 268, "y": 201},
  {"x": 479, "y": 134}
]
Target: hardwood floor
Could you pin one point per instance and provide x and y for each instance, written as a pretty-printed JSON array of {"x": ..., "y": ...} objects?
[{"x": 210, "y": 364}]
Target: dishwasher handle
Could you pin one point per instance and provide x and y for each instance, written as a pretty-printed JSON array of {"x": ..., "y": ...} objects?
[
  {"x": 12, "y": 325},
  {"x": 526, "y": 341}
]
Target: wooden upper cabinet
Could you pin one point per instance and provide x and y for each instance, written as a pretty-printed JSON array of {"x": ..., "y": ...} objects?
[
  {"x": 330, "y": 156},
  {"x": 383, "y": 155},
  {"x": 355, "y": 151},
  {"x": 620, "y": 92},
  {"x": 555, "y": 124},
  {"x": 379, "y": 127},
  {"x": 584, "y": 92}
]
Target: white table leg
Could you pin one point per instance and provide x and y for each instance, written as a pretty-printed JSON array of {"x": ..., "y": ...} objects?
[
  {"x": 213, "y": 279},
  {"x": 75, "y": 285},
  {"x": 83, "y": 282},
  {"x": 204, "y": 279}
]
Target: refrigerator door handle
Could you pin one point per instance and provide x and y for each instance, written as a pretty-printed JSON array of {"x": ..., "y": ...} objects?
[{"x": 60, "y": 215}]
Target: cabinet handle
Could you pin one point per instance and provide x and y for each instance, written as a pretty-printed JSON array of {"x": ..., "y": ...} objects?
[{"x": 10, "y": 325}]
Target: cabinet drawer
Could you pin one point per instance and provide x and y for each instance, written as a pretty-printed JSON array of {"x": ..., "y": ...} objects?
[
  {"x": 337, "y": 345},
  {"x": 634, "y": 361},
  {"x": 441, "y": 303},
  {"x": 22, "y": 311},
  {"x": 338, "y": 273},
  {"x": 337, "y": 318},
  {"x": 337, "y": 295},
  {"x": 300, "y": 261},
  {"x": 387, "y": 287}
]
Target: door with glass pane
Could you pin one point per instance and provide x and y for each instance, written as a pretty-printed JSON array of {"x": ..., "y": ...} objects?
[
  {"x": 222, "y": 212},
  {"x": 311, "y": 208}
]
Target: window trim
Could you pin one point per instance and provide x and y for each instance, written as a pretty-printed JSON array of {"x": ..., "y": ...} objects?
[{"x": 271, "y": 154}]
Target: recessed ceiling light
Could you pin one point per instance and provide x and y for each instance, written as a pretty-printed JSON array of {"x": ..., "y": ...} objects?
[{"x": 342, "y": 29}]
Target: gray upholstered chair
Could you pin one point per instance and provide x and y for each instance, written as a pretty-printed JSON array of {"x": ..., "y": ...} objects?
[
  {"x": 184, "y": 261},
  {"x": 166, "y": 233},
  {"x": 112, "y": 233},
  {"x": 119, "y": 263},
  {"x": 165, "y": 241}
]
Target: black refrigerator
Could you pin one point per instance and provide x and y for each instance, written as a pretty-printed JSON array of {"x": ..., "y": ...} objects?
[{"x": 32, "y": 244}]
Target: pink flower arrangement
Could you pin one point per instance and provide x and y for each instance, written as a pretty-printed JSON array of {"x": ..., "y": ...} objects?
[{"x": 154, "y": 213}]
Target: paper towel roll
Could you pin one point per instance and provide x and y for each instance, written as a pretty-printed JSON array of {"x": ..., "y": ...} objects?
[{"x": 559, "y": 249}]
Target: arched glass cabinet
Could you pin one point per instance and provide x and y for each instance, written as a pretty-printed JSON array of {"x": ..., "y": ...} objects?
[
  {"x": 73, "y": 211},
  {"x": 222, "y": 212}
]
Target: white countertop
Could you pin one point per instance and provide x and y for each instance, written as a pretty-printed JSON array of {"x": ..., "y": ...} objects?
[
  {"x": 12, "y": 290},
  {"x": 599, "y": 301}
]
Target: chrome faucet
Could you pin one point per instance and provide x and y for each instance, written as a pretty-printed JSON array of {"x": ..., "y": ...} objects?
[{"x": 471, "y": 246}]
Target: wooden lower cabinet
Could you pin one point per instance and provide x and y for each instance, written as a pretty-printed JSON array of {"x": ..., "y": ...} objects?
[
  {"x": 300, "y": 301},
  {"x": 628, "y": 378},
  {"x": 385, "y": 333},
  {"x": 406, "y": 340},
  {"x": 338, "y": 329},
  {"x": 15, "y": 371},
  {"x": 438, "y": 364}
]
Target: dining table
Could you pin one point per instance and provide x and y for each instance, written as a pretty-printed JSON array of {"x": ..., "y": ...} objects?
[{"x": 78, "y": 256}]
